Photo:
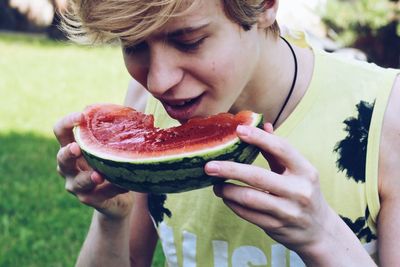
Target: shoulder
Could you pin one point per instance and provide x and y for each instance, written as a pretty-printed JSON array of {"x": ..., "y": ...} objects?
[
  {"x": 389, "y": 181},
  {"x": 136, "y": 96},
  {"x": 389, "y": 169}
]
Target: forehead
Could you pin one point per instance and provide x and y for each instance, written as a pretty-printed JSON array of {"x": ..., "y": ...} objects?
[
  {"x": 148, "y": 19},
  {"x": 194, "y": 13}
]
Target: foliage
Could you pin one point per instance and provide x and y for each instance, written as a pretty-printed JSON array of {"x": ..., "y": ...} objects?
[
  {"x": 349, "y": 18},
  {"x": 40, "y": 81},
  {"x": 371, "y": 26}
]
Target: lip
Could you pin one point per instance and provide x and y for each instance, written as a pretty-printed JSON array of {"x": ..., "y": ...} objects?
[{"x": 182, "y": 109}]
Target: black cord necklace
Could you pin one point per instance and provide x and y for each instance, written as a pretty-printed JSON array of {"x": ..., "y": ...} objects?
[{"x": 293, "y": 83}]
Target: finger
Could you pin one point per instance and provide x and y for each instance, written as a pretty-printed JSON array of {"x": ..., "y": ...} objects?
[
  {"x": 254, "y": 176},
  {"x": 269, "y": 128},
  {"x": 265, "y": 221},
  {"x": 108, "y": 190},
  {"x": 251, "y": 198},
  {"x": 99, "y": 196},
  {"x": 82, "y": 182},
  {"x": 273, "y": 145},
  {"x": 63, "y": 128},
  {"x": 66, "y": 159},
  {"x": 82, "y": 164},
  {"x": 274, "y": 164}
]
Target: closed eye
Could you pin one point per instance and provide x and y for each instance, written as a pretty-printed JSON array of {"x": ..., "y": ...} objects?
[
  {"x": 190, "y": 46},
  {"x": 184, "y": 46},
  {"x": 140, "y": 47}
]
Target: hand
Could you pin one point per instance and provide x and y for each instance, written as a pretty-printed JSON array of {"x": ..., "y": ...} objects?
[
  {"x": 286, "y": 201},
  {"x": 81, "y": 180}
]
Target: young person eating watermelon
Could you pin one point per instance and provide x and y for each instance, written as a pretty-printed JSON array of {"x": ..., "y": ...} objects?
[{"x": 330, "y": 196}]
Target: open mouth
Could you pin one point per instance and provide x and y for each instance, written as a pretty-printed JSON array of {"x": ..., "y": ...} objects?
[
  {"x": 182, "y": 109},
  {"x": 182, "y": 103}
]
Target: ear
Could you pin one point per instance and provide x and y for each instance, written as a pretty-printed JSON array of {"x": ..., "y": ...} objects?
[{"x": 268, "y": 17}]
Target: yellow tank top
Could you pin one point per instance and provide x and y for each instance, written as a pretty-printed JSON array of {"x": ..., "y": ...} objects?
[{"x": 337, "y": 127}]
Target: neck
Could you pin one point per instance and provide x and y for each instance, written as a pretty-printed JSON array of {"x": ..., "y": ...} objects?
[{"x": 273, "y": 79}]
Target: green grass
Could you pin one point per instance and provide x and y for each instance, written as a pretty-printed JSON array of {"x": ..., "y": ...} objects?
[{"x": 40, "y": 81}]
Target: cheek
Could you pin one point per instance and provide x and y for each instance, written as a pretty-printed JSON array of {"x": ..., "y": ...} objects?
[
  {"x": 238, "y": 63},
  {"x": 225, "y": 69}
]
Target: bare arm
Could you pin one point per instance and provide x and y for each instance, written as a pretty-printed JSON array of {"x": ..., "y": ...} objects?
[
  {"x": 143, "y": 237},
  {"x": 107, "y": 242},
  {"x": 389, "y": 183},
  {"x": 128, "y": 241}
]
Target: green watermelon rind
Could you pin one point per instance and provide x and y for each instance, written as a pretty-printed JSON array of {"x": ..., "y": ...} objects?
[{"x": 172, "y": 174}]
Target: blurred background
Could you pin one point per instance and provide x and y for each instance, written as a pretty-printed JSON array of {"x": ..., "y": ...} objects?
[{"x": 43, "y": 77}]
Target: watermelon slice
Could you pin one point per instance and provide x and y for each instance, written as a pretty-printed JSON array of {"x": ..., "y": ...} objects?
[{"x": 125, "y": 146}]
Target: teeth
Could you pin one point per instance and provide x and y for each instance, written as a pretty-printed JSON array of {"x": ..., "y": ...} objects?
[{"x": 182, "y": 103}]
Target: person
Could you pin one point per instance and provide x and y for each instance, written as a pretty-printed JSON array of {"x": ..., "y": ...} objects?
[
  {"x": 324, "y": 190},
  {"x": 33, "y": 16}
]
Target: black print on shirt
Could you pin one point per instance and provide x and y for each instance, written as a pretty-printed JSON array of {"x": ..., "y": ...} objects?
[
  {"x": 352, "y": 150},
  {"x": 155, "y": 203},
  {"x": 360, "y": 227}
]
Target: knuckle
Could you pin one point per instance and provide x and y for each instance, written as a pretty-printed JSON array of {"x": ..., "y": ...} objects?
[
  {"x": 247, "y": 197},
  {"x": 296, "y": 216},
  {"x": 258, "y": 179},
  {"x": 59, "y": 127},
  {"x": 84, "y": 199},
  {"x": 227, "y": 168},
  {"x": 60, "y": 155},
  {"x": 64, "y": 154},
  {"x": 305, "y": 194},
  {"x": 254, "y": 132},
  {"x": 69, "y": 188},
  {"x": 291, "y": 215},
  {"x": 275, "y": 226},
  {"x": 83, "y": 182},
  {"x": 305, "y": 197},
  {"x": 313, "y": 175}
]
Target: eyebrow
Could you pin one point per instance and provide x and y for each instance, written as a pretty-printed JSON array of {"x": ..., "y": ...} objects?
[{"x": 186, "y": 30}]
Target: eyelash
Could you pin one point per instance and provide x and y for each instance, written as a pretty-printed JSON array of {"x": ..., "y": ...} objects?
[
  {"x": 189, "y": 46},
  {"x": 183, "y": 46},
  {"x": 129, "y": 50}
]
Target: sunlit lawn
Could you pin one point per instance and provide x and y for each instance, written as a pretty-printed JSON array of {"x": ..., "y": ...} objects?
[{"x": 40, "y": 81}]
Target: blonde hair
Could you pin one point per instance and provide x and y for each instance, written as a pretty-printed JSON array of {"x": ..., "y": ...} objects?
[
  {"x": 131, "y": 21},
  {"x": 245, "y": 12}
]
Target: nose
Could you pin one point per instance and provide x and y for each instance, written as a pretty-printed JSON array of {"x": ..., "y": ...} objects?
[{"x": 164, "y": 70}]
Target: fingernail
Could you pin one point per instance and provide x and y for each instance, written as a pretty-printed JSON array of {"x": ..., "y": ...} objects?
[
  {"x": 212, "y": 168},
  {"x": 242, "y": 130},
  {"x": 74, "y": 148},
  {"x": 93, "y": 177},
  {"x": 96, "y": 178},
  {"x": 268, "y": 127}
]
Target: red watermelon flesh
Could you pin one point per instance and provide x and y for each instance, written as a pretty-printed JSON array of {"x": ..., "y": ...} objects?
[{"x": 124, "y": 132}]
